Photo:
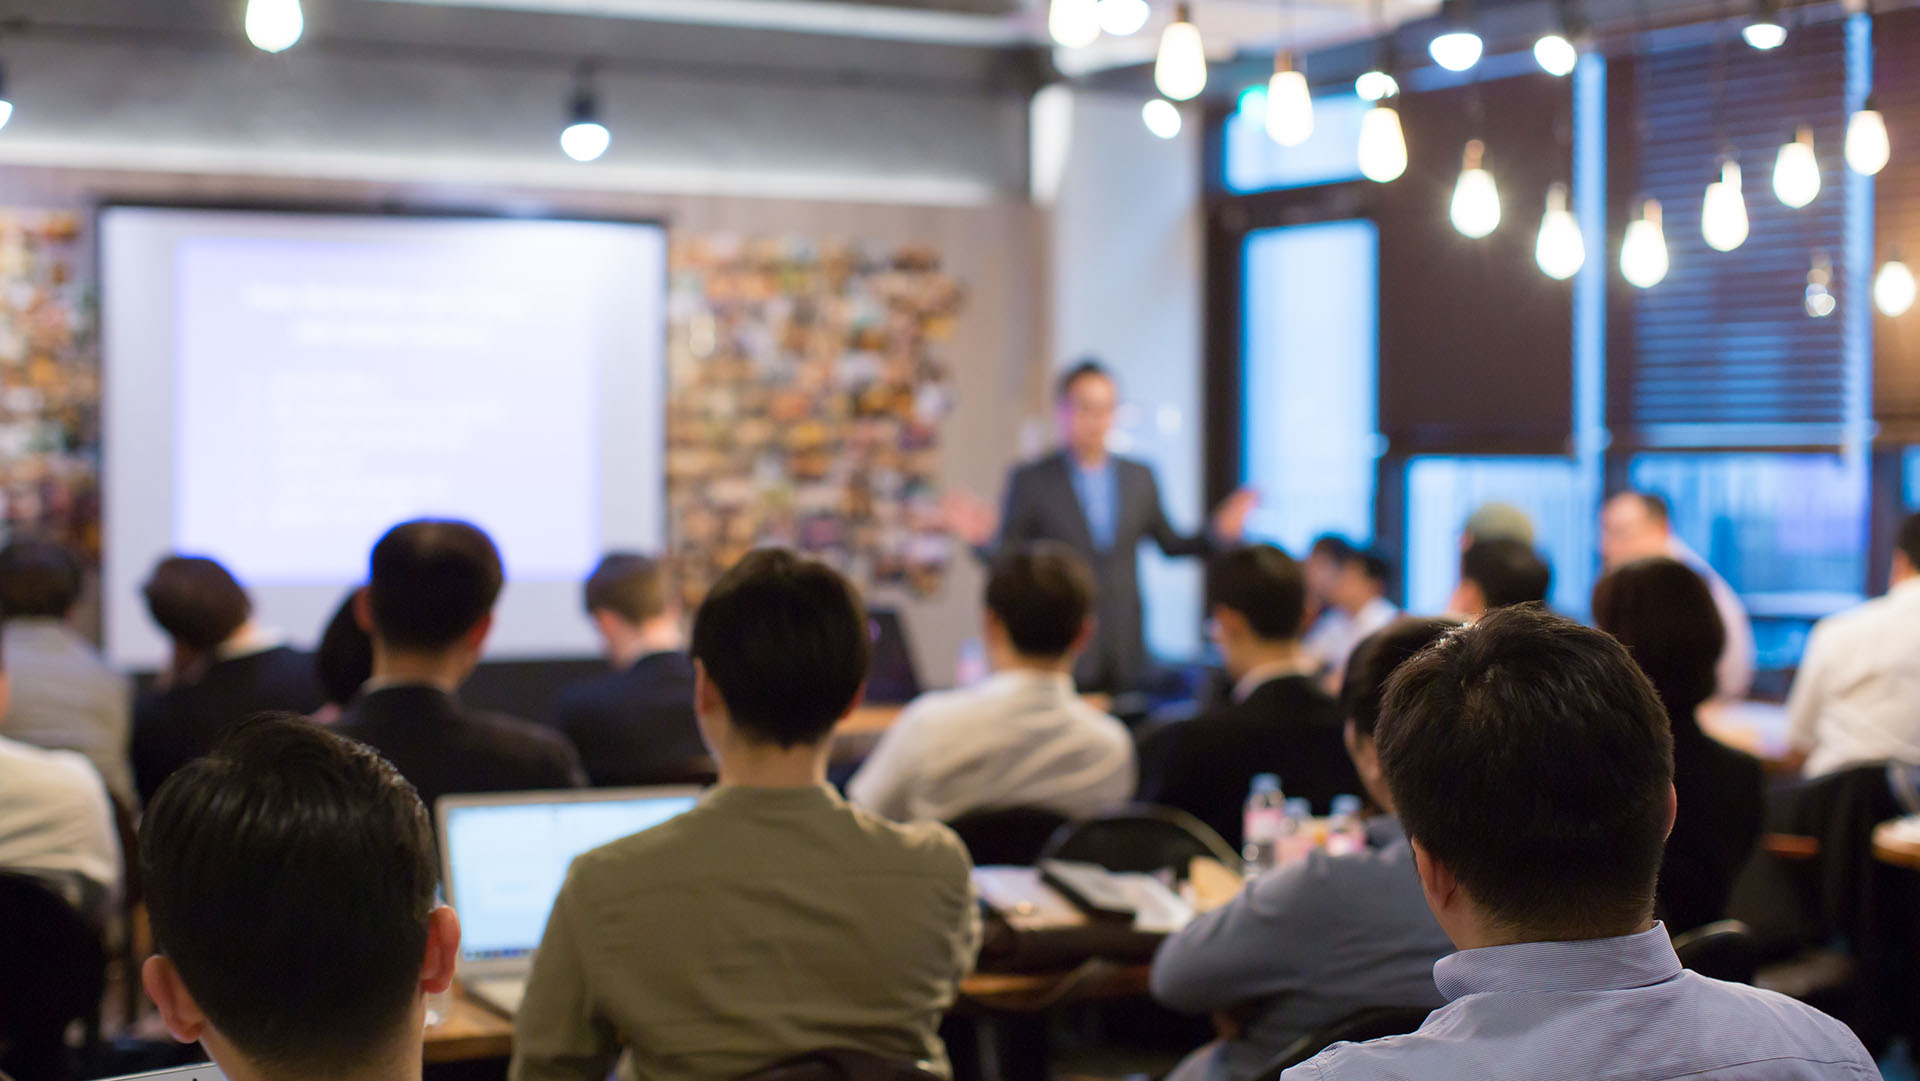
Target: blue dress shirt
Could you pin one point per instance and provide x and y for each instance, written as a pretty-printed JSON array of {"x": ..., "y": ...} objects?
[
  {"x": 1099, "y": 494},
  {"x": 1609, "y": 1009}
]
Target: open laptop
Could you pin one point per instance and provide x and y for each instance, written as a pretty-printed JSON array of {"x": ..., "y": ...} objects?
[{"x": 504, "y": 856}]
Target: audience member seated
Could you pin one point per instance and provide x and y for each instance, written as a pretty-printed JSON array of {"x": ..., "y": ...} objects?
[
  {"x": 1357, "y": 593},
  {"x": 1532, "y": 766},
  {"x": 1496, "y": 521},
  {"x": 65, "y": 697},
  {"x": 1278, "y": 721},
  {"x": 1856, "y": 699},
  {"x": 428, "y": 605},
  {"x": 1639, "y": 525},
  {"x": 773, "y": 919},
  {"x": 225, "y": 668},
  {"x": 1499, "y": 574},
  {"x": 635, "y": 725},
  {"x": 1664, "y": 614},
  {"x": 290, "y": 877},
  {"x": 1310, "y": 943},
  {"x": 344, "y": 661},
  {"x": 1324, "y": 623},
  {"x": 1023, "y": 738}
]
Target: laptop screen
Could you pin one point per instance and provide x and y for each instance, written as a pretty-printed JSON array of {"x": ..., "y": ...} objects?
[{"x": 506, "y": 860}]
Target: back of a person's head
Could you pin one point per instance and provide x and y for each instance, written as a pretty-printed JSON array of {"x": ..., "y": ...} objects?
[
  {"x": 629, "y": 585},
  {"x": 344, "y": 660},
  {"x": 1334, "y": 547},
  {"x": 1652, "y": 504},
  {"x": 1375, "y": 660},
  {"x": 290, "y": 877},
  {"x": 38, "y": 579},
  {"x": 1264, "y": 585},
  {"x": 1508, "y": 572},
  {"x": 1908, "y": 541},
  {"x": 430, "y": 582},
  {"x": 784, "y": 639},
  {"x": 1499, "y": 521},
  {"x": 1042, "y": 593},
  {"x": 1529, "y": 756},
  {"x": 1373, "y": 564},
  {"x": 196, "y": 601},
  {"x": 1664, "y": 614}
]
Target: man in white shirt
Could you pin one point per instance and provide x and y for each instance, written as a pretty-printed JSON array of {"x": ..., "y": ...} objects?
[
  {"x": 1856, "y": 700},
  {"x": 1022, "y": 738},
  {"x": 1639, "y": 525},
  {"x": 1357, "y": 593}
]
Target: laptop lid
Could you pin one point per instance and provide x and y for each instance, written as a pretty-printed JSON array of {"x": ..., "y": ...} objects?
[
  {"x": 504, "y": 856},
  {"x": 891, "y": 675}
]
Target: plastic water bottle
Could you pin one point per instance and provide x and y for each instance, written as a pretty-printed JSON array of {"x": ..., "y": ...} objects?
[
  {"x": 1296, "y": 836},
  {"x": 1263, "y": 824},
  {"x": 1346, "y": 834}
]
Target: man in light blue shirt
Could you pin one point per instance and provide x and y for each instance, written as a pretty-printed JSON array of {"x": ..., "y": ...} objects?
[{"x": 1532, "y": 766}]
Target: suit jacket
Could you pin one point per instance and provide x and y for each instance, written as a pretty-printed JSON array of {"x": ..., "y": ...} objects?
[
  {"x": 178, "y": 725},
  {"x": 1041, "y": 504},
  {"x": 446, "y": 749},
  {"x": 636, "y": 726},
  {"x": 1286, "y": 726}
]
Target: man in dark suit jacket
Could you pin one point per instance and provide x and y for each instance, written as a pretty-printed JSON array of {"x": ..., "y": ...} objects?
[
  {"x": 428, "y": 604},
  {"x": 1278, "y": 720},
  {"x": 1102, "y": 506},
  {"x": 635, "y": 725},
  {"x": 224, "y": 669}
]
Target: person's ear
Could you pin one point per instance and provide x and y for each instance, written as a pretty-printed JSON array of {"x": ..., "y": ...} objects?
[
  {"x": 1233, "y": 625},
  {"x": 605, "y": 622},
  {"x": 1351, "y": 734},
  {"x": 1673, "y": 808},
  {"x": 363, "y": 609},
  {"x": 1437, "y": 882},
  {"x": 178, "y": 1011},
  {"x": 476, "y": 640},
  {"x": 1084, "y": 639},
  {"x": 859, "y": 699},
  {"x": 1903, "y": 567},
  {"x": 993, "y": 632},
  {"x": 707, "y": 701},
  {"x": 1467, "y": 600},
  {"x": 443, "y": 950},
  {"x": 6, "y": 694}
]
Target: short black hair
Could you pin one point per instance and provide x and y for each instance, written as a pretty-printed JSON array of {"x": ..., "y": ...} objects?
[
  {"x": 1653, "y": 503},
  {"x": 289, "y": 876},
  {"x": 1530, "y": 756},
  {"x": 1042, "y": 593},
  {"x": 1909, "y": 539},
  {"x": 38, "y": 579},
  {"x": 785, "y": 641},
  {"x": 1507, "y": 571},
  {"x": 1265, "y": 585},
  {"x": 1078, "y": 370},
  {"x": 196, "y": 601},
  {"x": 1375, "y": 660},
  {"x": 628, "y": 584},
  {"x": 1663, "y": 612},
  {"x": 1333, "y": 546},
  {"x": 343, "y": 663},
  {"x": 431, "y": 581},
  {"x": 1373, "y": 562}
]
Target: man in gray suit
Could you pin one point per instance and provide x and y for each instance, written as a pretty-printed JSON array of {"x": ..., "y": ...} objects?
[{"x": 1103, "y": 506}]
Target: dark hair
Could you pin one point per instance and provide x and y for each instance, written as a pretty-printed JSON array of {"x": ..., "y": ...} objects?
[
  {"x": 431, "y": 582},
  {"x": 1373, "y": 562},
  {"x": 1042, "y": 593},
  {"x": 1909, "y": 539},
  {"x": 289, "y": 876},
  {"x": 1335, "y": 547},
  {"x": 1507, "y": 571},
  {"x": 1375, "y": 660},
  {"x": 344, "y": 661},
  {"x": 196, "y": 601},
  {"x": 1529, "y": 756},
  {"x": 1664, "y": 614},
  {"x": 1653, "y": 503},
  {"x": 784, "y": 640},
  {"x": 38, "y": 578},
  {"x": 1264, "y": 585},
  {"x": 628, "y": 584},
  {"x": 1080, "y": 369}
]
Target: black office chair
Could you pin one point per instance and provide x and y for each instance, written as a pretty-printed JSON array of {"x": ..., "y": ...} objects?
[
  {"x": 1142, "y": 837},
  {"x": 843, "y": 1064},
  {"x": 1012, "y": 837},
  {"x": 1372, "y": 1023},
  {"x": 53, "y": 972},
  {"x": 1725, "y": 950}
]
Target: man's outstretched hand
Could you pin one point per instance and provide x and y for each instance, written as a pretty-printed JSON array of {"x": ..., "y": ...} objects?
[
  {"x": 968, "y": 519},
  {"x": 1230, "y": 517}
]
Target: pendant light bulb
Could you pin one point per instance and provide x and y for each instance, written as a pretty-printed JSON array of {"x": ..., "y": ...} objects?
[
  {"x": 1893, "y": 287},
  {"x": 1555, "y": 55},
  {"x": 1162, "y": 117},
  {"x": 1180, "y": 69},
  {"x": 6, "y": 103},
  {"x": 1764, "y": 30},
  {"x": 1375, "y": 85},
  {"x": 1867, "y": 146},
  {"x": 1074, "y": 24},
  {"x": 1456, "y": 50},
  {"x": 584, "y": 138},
  {"x": 1383, "y": 146},
  {"x": 1289, "y": 119},
  {"x": 1560, "y": 250},
  {"x": 1796, "y": 171},
  {"x": 1124, "y": 18},
  {"x": 274, "y": 25},
  {"x": 1723, "y": 213},
  {"x": 1643, "y": 252},
  {"x": 1476, "y": 199}
]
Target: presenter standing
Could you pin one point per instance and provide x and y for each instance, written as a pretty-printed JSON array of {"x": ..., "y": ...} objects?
[{"x": 1101, "y": 505}]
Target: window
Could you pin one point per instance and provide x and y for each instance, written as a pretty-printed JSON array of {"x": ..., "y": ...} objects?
[
  {"x": 1442, "y": 492},
  {"x": 1255, "y": 162}
]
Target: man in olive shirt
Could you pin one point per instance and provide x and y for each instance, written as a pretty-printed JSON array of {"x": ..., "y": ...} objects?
[{"x": 773, "y": 919}]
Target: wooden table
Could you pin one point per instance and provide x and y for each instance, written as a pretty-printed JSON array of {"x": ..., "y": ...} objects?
[
  {"x": 1898, "y": 851},
  {"x": 469, "y": 1032}
]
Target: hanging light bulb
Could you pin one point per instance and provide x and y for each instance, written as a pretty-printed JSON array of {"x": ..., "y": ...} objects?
[
  {"x": 6, "y": 103},
  {"x": 1643, "y": 252},
  {"x": 1555, "y": 55},
  {"x": 1476, "y": 199},
  {"x": 274, "y": 25},
  {"x": 1180, "y": 70},
  {"x": 1796, "y": 171},
  {"x": 1867, "y": 146},
  {"x": 1819, "y": 301},
  {"x": 1162, "y": 117},
  {"x": 1383, "y": 146},
  {"x": 1456, "y": 50},
  {"x": 1375, "y": 85},
  {"x": 1124, "y": 18},
  {"x": 1289, "y": 104},
  {"x": 1894, "y": 287},
  {"x": 1723, "y": 213},
  {"x": 1074, "y": 23},
  {"x": 1560, "y": 250},
  {"x": 584, "y": 138},
  {"x": 1764, "y": 30}
]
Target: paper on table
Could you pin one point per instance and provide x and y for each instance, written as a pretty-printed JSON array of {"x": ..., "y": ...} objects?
[{"x": 1025, "y": 902}]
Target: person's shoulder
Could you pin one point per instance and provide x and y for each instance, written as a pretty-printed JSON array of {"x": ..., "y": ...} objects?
[
  {"x": 510, "y": 734},
  {"x": 930, "y": 846},
  {"x": 1814, "y": 1034},
  {"x": 586, "y": 699},
  {"x": 61, "y": 774}
]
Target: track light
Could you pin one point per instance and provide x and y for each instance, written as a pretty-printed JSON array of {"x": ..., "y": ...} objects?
[
  {"x": 1162, "y": 117},
  {"x": 1765, "y": 31},
  {"x": 1180, "y": 69},
  {"x": 1074, "y": 23},
  {"x": 1457, "y": 47},
  {"x": 585, "y": 137},
  {"x": 274, "y": 25}
]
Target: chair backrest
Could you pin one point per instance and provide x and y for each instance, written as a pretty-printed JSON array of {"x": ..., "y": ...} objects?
[
  {"x": 843, "y": 1064},
  {"x": 1010, "y": 837},
  {"x": 53, "y": 972},
  {"x": 1371, "y": 1023},
  {"x": 1142, "y": 837},
  {"x": 1726, "y": 950}
]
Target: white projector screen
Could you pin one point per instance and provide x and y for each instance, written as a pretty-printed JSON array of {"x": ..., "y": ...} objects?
[{"x": 280, "y": 388}]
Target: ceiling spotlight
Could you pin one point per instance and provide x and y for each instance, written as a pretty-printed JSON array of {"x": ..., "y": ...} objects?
[
  {"x": 1765, "y": 31},
  {"x": 6, "y": 103},
  {"x": 1457, "y": 48},
  {"x": 274, "y": 25},
  {"x": 1124, "y": 18},
  {"x": 1162, "y": 117},
  {"x": 1375, "y": 85},
  {"x": 1074, "y": 23},
  {"x": 585, "y": 137},
  {"x": 1555, "y": 55}
]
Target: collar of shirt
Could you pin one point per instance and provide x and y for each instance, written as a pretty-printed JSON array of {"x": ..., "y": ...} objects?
[
  {"x": 776, "y": 799},
  {"x": 1600, "y": 964},
  {"x": 249, "y": 641},
  {"x": 387, "y": 683},
  {"x": 1262, "y": 674},
  {"x": 1021, "y": 679}
]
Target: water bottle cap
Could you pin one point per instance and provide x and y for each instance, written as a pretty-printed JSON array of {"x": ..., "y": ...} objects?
[
  {"x": 1266, "y": 782},
  {"x": 1298, "y": 807},
  {"x": 1346, "y": 805}
]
